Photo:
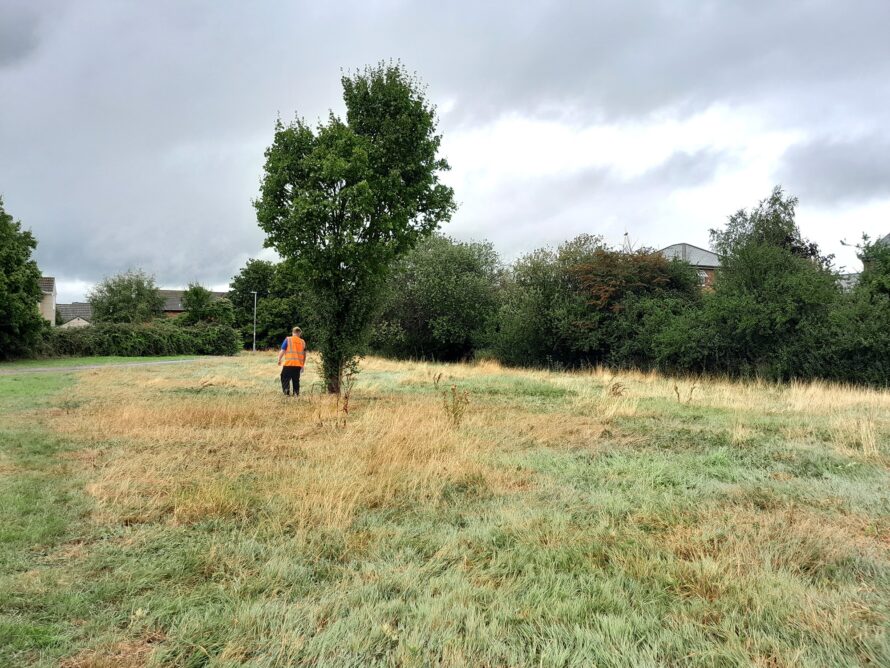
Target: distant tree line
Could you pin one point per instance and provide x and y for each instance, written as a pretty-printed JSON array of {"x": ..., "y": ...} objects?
[{"x": 776, "y": 310}]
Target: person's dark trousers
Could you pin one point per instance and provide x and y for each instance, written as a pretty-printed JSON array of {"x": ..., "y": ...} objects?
[{"x": 291, "y": 374}]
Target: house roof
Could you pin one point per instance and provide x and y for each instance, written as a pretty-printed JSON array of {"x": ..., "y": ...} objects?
[
  {"x": 848, "y": 281},
  {"x": 81, "y": 310},
  {"x": 884, "y": 240},
  {"x": 173, "y": 299},
  {"x": 47, "y": 284},
  {"x": 697, "y": 257}
]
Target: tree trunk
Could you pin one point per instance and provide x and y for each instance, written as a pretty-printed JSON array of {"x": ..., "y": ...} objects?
[
  {"x": 333, "y": 372},
  {"x": 333, "y": 383}
]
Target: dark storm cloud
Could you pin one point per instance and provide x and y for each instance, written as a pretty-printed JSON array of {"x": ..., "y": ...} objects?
[
  {"x": 831, "y": 171},
  {"x": 18, "y": 32},
  {"x": 131, "y": 134}
]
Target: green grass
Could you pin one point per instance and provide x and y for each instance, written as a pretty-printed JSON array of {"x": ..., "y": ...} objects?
[
  {"x": 713, "y": 533},
  {"x": 84, "y": 361}
]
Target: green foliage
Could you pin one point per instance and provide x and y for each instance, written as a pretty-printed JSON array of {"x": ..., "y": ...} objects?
[
  {"x": 201, "y": 306},
  {"x": 588, "y": 304},
  {"x": 773, "y": 296},
  {"x": 142, "y": 339},
  {"x": 628, "y": 295},
  {"x": 20, "y": 320},
  {"x": 770, "y": 223},
  {"x": 345, "y": 200},
  {"x": 130, "y": 297},
  {"x": 856, "y": 337},
  {"x": 542, "y": 301},
  {"x": 282, "y": 302},
  {"x": 441, "y": 301},
  {"x": 875, "y": 277}
]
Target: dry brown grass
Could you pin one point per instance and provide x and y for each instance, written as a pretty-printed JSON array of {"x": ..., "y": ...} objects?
[
  {"x": 745, "y": 539},
  {"x": 855, "y": 432},
  {"x": 215, "y": 441},
  {"x": 193, "y": 455},
  {"x": 128, "y": 654}
]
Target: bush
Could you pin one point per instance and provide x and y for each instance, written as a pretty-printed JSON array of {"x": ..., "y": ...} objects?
[
  {"x": 440, "y": 301},
  {"x": 141, "y": 340},
  {"x": 542, "y": 304},
  {"x": 588, "y": 304},
  {"x": 772, "y": 307}
]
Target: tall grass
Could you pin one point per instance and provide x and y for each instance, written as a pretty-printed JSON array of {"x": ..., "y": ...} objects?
[{"x": 557, "y": 522}]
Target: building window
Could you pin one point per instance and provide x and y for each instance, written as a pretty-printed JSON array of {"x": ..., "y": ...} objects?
[{"x": 702, "y": 277}]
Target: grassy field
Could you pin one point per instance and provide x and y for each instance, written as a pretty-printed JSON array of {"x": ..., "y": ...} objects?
[
  {"x": 456, "y": 515},
  {"x": 83, "y": 361}
]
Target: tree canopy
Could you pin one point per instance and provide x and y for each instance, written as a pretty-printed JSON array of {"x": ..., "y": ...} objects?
[
  {"x": 131, "y": 296},
  {"x": 345, "y": 199},
  {"x": 201, "y": 306},
  {"x": 20, "y": 320},
  {"x": 282, "y": 302}
]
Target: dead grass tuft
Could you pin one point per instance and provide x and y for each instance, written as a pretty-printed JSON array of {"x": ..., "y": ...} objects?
[
  {"x": 129, "y": 654},
  {"x": 788, "y": 539},
  {"x": 855, "y": 432}
]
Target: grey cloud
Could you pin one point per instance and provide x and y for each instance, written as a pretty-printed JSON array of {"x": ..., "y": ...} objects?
[
  {"x": 834, "y": 171},
  {"x": 546, "y": 211},
  {"x": 685, "y": 169},
  {"x": 18, "y": 33}
]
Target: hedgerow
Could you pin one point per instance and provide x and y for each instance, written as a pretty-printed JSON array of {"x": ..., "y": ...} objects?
[{"x": 141, "y": 339}]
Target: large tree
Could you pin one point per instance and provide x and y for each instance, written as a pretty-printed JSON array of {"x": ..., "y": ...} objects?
[
  {"x": 347, "y": 198},
  {"x": 20, "y": 321},
  {"x": 128, "y": 297}
]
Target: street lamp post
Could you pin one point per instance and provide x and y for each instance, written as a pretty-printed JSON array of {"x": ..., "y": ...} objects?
[{"x": 254, "y": 320}]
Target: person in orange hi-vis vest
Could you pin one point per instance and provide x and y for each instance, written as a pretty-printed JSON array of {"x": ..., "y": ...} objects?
[{"x": 293, "y": 352}]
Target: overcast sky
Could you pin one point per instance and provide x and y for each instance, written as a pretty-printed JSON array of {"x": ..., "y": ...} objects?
[{"x": 132, "y": 133}]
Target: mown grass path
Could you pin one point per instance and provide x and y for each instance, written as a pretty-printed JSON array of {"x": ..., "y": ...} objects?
[
  {"x": 64, "y": 365},
  {"x": 187, "y": 515}
]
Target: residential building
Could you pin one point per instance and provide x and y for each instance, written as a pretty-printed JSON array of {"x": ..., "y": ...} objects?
[
  {"x": 173, "y": 300},
  {"x": 47, "y": 306},
  {"x": 77, "y": 314},
  {"x": 705, "y": 261}
]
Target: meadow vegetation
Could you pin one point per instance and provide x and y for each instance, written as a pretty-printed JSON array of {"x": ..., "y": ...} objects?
[{"x": 441, "y": 515}]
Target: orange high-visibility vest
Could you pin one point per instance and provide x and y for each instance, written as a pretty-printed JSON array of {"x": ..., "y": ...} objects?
[{"x": 295, "y": 353}]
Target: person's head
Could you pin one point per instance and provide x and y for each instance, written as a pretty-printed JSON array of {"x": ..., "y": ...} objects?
[{"x": 296, "y": 331}]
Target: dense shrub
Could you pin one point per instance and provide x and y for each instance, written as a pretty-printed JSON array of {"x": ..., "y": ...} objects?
[
  {"x": 440, "y": 301},
  {"x": 770, "y": 312},
  {"x": 856, "y": 342},
  {"x": 142, "y": 339},
  {"x": 588, "y": 304},
  {"x": 542, "y": 303}
]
